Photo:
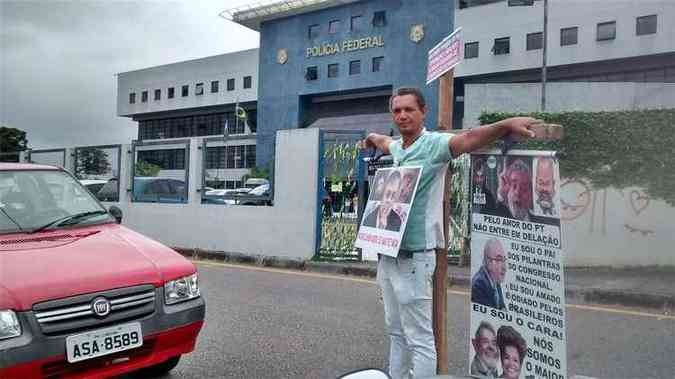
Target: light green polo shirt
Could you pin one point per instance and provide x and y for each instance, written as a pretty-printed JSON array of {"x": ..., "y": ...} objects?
[{"x": 424, "y": 229}]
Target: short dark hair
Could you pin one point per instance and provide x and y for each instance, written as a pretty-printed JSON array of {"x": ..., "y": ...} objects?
[
  {"x": 393, "y": 176},
  {"x": 507, "y": 336},
  {"x": 414, "y": 91}
]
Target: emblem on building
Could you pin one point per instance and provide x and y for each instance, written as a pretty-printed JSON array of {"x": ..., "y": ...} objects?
[
  {"x": 282, "y": 56},
  {"x": 417, "y": 33}
]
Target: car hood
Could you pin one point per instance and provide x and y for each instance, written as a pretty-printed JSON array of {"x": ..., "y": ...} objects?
[{"x": 67, "y": 262}]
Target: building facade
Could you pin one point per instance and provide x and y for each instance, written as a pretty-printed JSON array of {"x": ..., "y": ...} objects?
[
  {"x": 334, "y": 64},
  {"x": 611, "y": 42},
  {"x": 197, "y": 98}
]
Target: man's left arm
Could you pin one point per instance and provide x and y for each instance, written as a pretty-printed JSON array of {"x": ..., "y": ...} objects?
[{"x": 517, "y": 127}]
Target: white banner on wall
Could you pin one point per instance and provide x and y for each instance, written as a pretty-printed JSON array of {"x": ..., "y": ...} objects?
[{"x": 517, "y": 279}]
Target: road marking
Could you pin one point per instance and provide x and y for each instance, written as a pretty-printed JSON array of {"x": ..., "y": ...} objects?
[{"x": 453, "y": 292}]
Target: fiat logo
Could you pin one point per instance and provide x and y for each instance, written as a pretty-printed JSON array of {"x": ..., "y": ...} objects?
[{"x": 100, "y": 306}]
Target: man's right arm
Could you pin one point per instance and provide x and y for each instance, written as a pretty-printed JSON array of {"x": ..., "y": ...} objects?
[{"x": 377, "y": 141}]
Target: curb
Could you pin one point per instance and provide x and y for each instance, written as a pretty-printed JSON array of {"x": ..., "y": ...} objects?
[{"x": 456, "y": 278}]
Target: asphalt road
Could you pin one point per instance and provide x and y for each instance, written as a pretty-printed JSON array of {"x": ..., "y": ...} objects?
[{"x": 267, "y": 323}]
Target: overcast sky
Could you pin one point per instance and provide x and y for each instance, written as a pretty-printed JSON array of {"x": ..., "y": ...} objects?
[{"x": 58, "y": 60}]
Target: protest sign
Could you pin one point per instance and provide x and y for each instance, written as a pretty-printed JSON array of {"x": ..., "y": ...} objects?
[
  {"x": 444, "y": 56},
  {"x": 386, "y": 214},
  {"x": 517, "y": 284}
]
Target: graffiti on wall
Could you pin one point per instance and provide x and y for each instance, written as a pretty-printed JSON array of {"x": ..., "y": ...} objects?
[{"x": 580, "y": 199}]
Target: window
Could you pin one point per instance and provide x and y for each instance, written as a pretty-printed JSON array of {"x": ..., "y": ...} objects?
[
  {"x": 645, "y": 25},
  {"x": 170, "y": 93},
  {"x": 380, "y": 18},
  {"x": 230, "y": 84},
  {"x": 247, "y": 81},
  {"x": 470, "y": 50},
  {"x": 132, "y": 98},
  {"x": 501, "y": 46},
  {"x": 184, "y": 91},
  {"x": 214, "y": 86},
  {"x": 199, "y": 89},
  {"x": 606, "y": 31},
  {"x": 144, "y": 96},
  {"x": 535, "y": 41},
  {"x": 250, "y": 156},
  {"x": 356, "y": 23},
  {"x": 568, "y": 36},
  {"x": 333, "y": 26},
  {"x": 158, "y": 94},
  {"x": 312, "y": 73},
  {"x": 333, "y": 70},
  {"x": 378, "y": 63},
  {"x": 313, "y": 31},
  {"x": 354, "y": 67}
]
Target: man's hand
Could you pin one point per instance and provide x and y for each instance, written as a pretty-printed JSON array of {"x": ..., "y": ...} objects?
[
  {"x": 376, "y": 141},
  {"x": 520, "y": 128}
]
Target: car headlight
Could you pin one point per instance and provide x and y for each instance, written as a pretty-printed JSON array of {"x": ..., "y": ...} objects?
[
  {"x": 9, "y": 325},
  {"x": 181, "y": 289}
]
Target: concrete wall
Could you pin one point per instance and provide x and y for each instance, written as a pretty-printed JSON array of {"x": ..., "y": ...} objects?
[
  {"x": 282, "y": 85},
  {"x": 219, "y": 67},
  {"x": 286, "y": 229},
  {"x": 486, "y": 22},
  {"x": 580, "y": 96}
]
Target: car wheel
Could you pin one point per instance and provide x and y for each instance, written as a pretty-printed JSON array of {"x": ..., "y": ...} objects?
[{"x": 158, "y": 369}]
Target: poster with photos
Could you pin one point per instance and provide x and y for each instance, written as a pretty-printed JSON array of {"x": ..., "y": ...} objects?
[
  {"x": 518, "y": 325},
  {"x": 386, "y": 213}
]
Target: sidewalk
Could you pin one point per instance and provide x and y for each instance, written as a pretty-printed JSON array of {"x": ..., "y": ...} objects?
[{"x": 650, "y": 287}]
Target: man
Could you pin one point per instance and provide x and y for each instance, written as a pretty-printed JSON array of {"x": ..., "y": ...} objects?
[
  {"x": 544, "y": 186},
  {"x": 484, "y": 363},
  {"x": 406, "y": 280},
  {"x": 486, "y": 284},
  {"x": 408, "y": 185},
  {"x": 481, "y": 197},
  {"x": 515, "y": 193},
  {"x": 384, "y": 216}
]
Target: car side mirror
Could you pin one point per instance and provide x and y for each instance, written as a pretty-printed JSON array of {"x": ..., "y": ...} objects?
[{"x": 116, "y": 212}]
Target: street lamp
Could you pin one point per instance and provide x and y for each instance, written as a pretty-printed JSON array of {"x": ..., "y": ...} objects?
[{"x": 517, "y": 3}]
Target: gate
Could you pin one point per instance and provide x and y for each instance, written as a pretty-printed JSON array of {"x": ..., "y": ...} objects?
[{"x": 340, "y": 195}]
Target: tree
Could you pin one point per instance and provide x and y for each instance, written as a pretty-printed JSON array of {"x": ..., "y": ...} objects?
[
  {"x": 92, "y": 161},
  {"x": 12, "y": 141},
  {"x": 144, "y": 168}
]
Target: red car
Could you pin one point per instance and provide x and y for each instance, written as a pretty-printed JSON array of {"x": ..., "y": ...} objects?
[{"x": 80, "y": 295}]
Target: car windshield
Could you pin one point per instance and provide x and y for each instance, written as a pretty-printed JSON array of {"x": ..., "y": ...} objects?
[{"x": 35, "y": 200}]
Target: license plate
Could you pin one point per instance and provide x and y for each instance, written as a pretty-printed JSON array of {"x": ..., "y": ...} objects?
[{"x": 103, "y": 341}]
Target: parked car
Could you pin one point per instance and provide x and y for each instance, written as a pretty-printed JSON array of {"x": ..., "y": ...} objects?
[
  {"x": 257, "y": 196},
  {"x": 154, "y": 189},
  {"x": 80, "y": 294}
]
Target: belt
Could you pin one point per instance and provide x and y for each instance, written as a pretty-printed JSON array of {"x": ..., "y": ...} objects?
[{"x": 409, "y": 253}]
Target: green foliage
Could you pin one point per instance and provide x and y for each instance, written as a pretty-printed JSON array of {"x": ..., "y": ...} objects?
[
  {"x": 613, "y": 149},
  {"x": 92, "y": 161},
  {"x": 12, "y": 139},
  {"x": 144, "y": 168}
]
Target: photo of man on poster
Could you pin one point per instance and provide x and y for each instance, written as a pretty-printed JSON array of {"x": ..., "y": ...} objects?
[
  {"x": 545, "y": 186},
  {"x": 486, "y": 358},
  {"x": 486, "y": 284},
  {"x": 384, "y": 216}
]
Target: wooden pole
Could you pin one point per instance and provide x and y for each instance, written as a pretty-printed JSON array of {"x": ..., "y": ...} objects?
[{"x": 440, "y": 294}]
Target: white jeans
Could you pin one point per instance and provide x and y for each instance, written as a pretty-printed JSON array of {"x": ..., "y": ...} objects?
[{"x": 407, "y": 291}]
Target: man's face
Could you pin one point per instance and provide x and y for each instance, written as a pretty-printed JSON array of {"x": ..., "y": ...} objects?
[
  {"x": 486, "y": 348},
  {"x": 545, "y": 184},
  {"x": 496, "y": 264},
  {"x": 479, "y": 176},
  {"x": 390, "y": 195},
  {"x": 519, "y": 194},
  {"x": 407, "y": 184},
  {"x": 407, "y": 114}
]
